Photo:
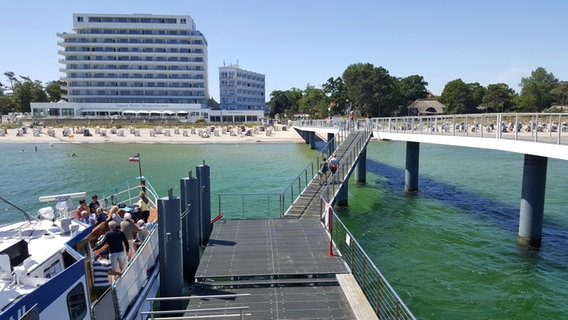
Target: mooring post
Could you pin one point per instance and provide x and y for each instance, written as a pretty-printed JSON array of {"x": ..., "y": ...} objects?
[
  {"x": 203, "y": 178},
  {"x": 532, "y": 200},
  {"x": 412, "y": 165},
  {"x": 189, "y": 190},
  {"x": 169, "y": 243}
]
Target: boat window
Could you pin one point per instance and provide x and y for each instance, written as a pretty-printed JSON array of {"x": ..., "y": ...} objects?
[{"x": 76, "y": 302}]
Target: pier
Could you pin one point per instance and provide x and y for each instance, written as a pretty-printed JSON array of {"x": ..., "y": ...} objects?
[{"x": 287, "y": 267}]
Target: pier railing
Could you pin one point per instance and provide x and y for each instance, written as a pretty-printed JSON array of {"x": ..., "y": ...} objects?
[
  {"x": 273, "y": 205},
  {"x": 379, "y": 293},
  {"x": 533, "y": 127}
]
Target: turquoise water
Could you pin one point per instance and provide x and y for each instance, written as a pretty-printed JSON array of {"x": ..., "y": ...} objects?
[{"x": 449, "y": 250}]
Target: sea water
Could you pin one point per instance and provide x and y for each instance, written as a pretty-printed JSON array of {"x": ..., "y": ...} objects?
[{"x": 450, "y": 250}]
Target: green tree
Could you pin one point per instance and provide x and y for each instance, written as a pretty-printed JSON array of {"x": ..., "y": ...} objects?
[
  {"x": 536, "y": 90},
  {"x": 334, "y": 88},
  {"x": 278, "y": 103},
  {"x": 11, "y": 77},
  {"x": 24, "y": 93},
  {"x": 360, "y": 87},
  {"x": 7, "y": 104},
  {"x": 457, "y": 97},
  {"x": 314, "y": 102},
  {"x": 371, "y": 89},
  {"x": 477, "y": 93},
  {"x": 294, "y": 96},
  {"x": 498, "y": 98},
  {"x": 411, "y": 88},
  {"x": 560, "y": 93},
  {"x": 284, "y": 102},
  {"x": 54, "y": 91}
]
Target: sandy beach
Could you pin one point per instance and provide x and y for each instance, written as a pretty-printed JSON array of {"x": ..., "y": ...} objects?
[{"x": 214, "y": 134}]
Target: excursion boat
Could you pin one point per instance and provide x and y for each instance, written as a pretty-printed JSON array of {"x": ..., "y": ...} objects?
[{"x": 46, "y": 262}]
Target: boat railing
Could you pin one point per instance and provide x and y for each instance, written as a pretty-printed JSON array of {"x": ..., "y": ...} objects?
[
  {"x": 133, "y": 277},
  {"x": 534, "y": 127},
  {"x": 200, "y": 313},
  {"x": 264, "y": 205},
  {"x": 128, "y": 193}
]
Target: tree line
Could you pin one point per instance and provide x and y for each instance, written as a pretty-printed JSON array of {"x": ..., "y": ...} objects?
[
  {"x": 372, "y": 92},
  {"x": 25, "y": 91}
]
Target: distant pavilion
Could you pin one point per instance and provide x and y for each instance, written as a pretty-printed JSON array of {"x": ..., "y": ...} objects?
[{"x": 426, "y": 107}]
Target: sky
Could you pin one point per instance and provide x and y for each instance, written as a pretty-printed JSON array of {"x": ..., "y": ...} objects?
[{"x": 299, "y": 43}]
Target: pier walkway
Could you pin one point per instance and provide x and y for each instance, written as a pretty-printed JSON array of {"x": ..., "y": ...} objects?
[{"x": 284, "y": 264}]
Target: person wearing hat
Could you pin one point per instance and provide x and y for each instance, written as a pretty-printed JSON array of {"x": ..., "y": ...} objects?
[
  {"x": 129, "y": 229},
  {"x": 142, "y": 231}
]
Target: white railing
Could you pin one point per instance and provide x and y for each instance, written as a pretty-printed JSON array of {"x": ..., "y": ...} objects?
[
  {"x": 534, "y": 127},
  {"x": 133, "y": 277}
]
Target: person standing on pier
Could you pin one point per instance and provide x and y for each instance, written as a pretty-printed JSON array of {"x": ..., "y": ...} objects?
[
  {"x": 323, "y": 171},
  {"x": 333, "y": 164}
]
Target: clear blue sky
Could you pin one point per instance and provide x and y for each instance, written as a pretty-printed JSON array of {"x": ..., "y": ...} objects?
[{"x": 296, "y": 43}]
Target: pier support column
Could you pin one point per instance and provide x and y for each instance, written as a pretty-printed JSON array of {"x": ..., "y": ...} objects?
[
  {"x": 412, "y": 164},
  {"x": 331, "y": 142},
  {"x": 361, "y": 169},
  {"x": 305, "y": 136},
  {"x": 342, "y": 198},
  {"x": 312, "y": 138},
  {"x": 532, "y": 200},
  {"x": 169, "y": 243}
]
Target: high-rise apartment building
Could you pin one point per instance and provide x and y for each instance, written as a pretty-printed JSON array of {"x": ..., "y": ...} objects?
[
  {"x": 241, "y": 89},
  {"x": 136, "y": 59}
]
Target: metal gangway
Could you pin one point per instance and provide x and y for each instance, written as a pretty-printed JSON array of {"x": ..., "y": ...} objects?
[{"x": 305, "y": 199}]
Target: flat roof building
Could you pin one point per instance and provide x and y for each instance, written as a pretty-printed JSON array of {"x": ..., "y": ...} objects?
[
  {"x": 132, "y": 65},
  {"x": 112, "y": 58},
  {"x": 241, "y": 89}
]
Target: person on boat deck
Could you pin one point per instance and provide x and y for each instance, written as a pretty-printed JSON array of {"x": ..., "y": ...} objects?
[
  {"x": 101, "y": 215},
  {"x": 129, "y": 229},
  {"x": 88, "y": 218},
  {"x": 102, "y": 272},
  {"x": 117, "y": 246},
  {"x": 142, "y": 231},
  {"x": 114, "y": 214},
  {"x": 94, "y": 205},
  {"x": 82, "y": 207},
  {"x": 144, "y": 207}
]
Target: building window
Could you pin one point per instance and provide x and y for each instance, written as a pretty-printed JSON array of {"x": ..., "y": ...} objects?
[{"x": 79, "y": 19}]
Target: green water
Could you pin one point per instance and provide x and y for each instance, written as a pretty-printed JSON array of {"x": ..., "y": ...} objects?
[{"x": 449, "y": 250}]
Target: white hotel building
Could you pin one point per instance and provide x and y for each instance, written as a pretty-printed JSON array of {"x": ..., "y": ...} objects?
[
  {"x": 241, "y": 89},
  {"x": 132, "y": 65}
]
